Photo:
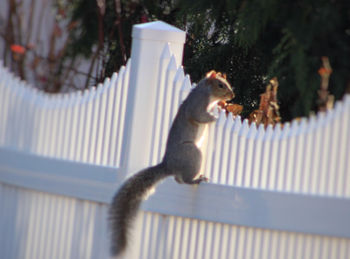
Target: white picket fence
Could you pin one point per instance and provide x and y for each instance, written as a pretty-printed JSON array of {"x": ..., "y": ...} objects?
[{"x": 274, "y": 193}]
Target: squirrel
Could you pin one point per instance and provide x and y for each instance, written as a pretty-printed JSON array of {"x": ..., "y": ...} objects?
[{"x": 182, "y": 158}]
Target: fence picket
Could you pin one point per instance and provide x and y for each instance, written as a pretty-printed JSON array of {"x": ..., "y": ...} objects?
[
  {"x": 115, "y": 130},
  {"x": 290, "y": 156},
  {"x": 264, "y": 175},
  {"x": 121, "y": 116},
  {"x": 336, "y": 150},
  {"x": 346, "y": 183},
  {"x": 241, "y": 149},
  {"x": 282, "y": 157},
  {"x": 233, "y": 150},
  {"x": 101, "y": 108},
  {"x": 176, "y": 87},
  {"x": 257, "y": 157},
  {"x": 170, "y": 74},
  {"x": 108, "y": 119},
  {"x": 163, "y": 63},
  {"x": 248, "y": 161},
  {"x": 216, "y": 149},
  {"x": 299, "y": 156},
  {"x": 225, "y": 147},
  {"x": 95, "y": 100},
  {"x": 85, "y": 111},
  {"x": 273, "y": 157}
]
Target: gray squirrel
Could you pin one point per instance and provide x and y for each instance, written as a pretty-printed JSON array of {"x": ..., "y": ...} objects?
[{"x": 182, "y": 157}]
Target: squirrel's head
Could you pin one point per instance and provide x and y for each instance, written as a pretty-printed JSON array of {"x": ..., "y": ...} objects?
[{"x": 220, "y": 88}]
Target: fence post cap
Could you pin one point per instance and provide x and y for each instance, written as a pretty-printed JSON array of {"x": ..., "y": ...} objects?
[{"x": 158, "y": 31}]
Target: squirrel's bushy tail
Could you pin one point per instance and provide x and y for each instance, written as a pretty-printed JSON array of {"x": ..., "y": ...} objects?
[{"x": 126, "y": 203}]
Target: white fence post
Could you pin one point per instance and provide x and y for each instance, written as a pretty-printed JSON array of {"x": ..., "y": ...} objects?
[{"x": 148, "y": 43}]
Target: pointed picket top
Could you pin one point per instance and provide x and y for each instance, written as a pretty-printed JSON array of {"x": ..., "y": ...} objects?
[
  {"x": 118, "y": 84},
  {"x": 86, "y": 93},
  {"x": 311, "y": 123},
  {"x": 72, "y": 98},
  {"x": 228, "y": 122},
  {"x": 185, "y": 88},
  {"x": 66, "y": 99},
  {"x": 4, "y": 78},
  {"x": 128, "y": 64},
  {"x": 40, "y": 98},
  {"x": 320, "y": 119},
  {"x": 17, "y": 87},
  {"x": 92, "y": 93},
  {"x": 34, "y": 92},
  {"x": 252, "y": 131},
  {"x": 2, "y": 73},
  {"x": 166, "y": 52},
  {"x": 285, "y": 130},
  {"x": 347, "y": 101},
  {"x": 114, "y": 77},
  {"x": 237, "y": 124},
  {"x": 294, "y": 128},
  {"x": 186, "y": 85},
  {"x": 51, "y": 101},
  {"x": 172, "y": 64},
  {"x": 122, "y": 70},
  {"x": 25, "y": 92},
  {"x": 277, "y": 131},
  {"x": 268, "y": 132},
  {"x": 82, "y": 96},
  {"x": 303, "y": 124},
  {"x": 179, "y": 76},
  {"x": 222, "y": 117},
  {"x": 338, "y": 107},
  {"x": 43, "y": 100},
  {"x": 329, "y": 115},
  {"x": 244, "y": 129},
  {"x": 113, "y": 80},
  {"x": 99, "y": 90},
  {"x": 261, "y": 132},
  {"x": 59, "y": 100},
  {"x": 106, "y": 83},
  {"x": 126, "y": 74}
]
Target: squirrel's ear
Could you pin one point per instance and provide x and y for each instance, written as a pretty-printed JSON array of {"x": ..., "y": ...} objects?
[
  {"x": 224, "y": 75},
  {"x": 211, "y": 74}
]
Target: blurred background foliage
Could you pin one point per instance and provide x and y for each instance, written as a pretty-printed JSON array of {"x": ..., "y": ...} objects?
[{"x": 249, "y": 40}]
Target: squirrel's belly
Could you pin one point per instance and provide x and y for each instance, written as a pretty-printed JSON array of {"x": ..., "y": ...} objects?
[{"x": 202, "y": 130}]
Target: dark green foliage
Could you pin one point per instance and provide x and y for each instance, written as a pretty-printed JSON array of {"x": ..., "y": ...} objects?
[{"x": 251, "y": 41}]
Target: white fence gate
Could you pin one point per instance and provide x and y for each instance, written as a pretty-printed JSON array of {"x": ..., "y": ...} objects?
[{"x": 274, "y": 193}]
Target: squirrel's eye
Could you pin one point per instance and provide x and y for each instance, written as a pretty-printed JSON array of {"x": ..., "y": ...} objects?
[{"x": 221, "y": 85}]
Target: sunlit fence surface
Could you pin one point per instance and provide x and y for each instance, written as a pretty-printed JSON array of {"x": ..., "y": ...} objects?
[{"x": 279, "y": 192}]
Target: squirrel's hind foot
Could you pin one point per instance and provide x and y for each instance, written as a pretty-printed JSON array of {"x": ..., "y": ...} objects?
[{"x": 200, "y": 179}]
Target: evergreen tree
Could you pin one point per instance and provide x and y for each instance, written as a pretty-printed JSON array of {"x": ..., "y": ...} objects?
[{"x": 251, "y": 41}]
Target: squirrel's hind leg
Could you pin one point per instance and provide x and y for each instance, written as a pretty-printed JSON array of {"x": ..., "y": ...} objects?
[{"x": 188, "y": 163}]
